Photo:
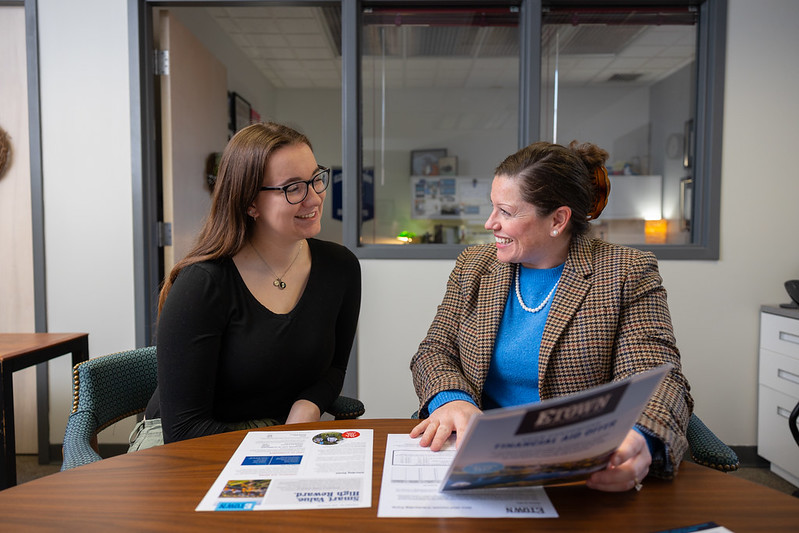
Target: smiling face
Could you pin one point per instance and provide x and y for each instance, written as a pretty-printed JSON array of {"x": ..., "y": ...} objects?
[
  {"x": 522, "y": 236},
  {"x": 278, "y": 218}
]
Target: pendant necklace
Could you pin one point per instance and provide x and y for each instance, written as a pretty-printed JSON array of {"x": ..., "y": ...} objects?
[
  {"x": 519, "y": 294},
  {"x": 279, "y": 283}
]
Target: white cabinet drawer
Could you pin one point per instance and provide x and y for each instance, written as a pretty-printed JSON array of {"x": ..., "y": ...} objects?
[
  {"x": 779, "y": 334},
  {"x": 779, "y": 372},
  {"x": 774, "y": 439}
]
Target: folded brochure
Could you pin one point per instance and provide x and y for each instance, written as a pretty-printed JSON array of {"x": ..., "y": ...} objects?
[{"x": 553, "y": 441}]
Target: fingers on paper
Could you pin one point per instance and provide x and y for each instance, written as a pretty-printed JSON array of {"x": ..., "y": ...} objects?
[
  {"x": 633, "y": 445},
  {"x": 628, "y": 466}
]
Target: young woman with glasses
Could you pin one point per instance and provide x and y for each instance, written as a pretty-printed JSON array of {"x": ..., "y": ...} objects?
[{"x": 257, "y": 321}]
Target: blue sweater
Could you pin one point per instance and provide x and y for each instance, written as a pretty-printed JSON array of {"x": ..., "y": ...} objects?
[{"x": 513, "y": 374}]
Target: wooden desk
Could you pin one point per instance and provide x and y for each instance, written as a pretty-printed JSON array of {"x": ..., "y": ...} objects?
[
  {"x": 23, "y": 350},
  {"x": 159, "y": 488}
]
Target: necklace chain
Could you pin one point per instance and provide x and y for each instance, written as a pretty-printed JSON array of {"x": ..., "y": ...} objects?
[
  {"x": 519, "y": 293},
  {"x": 279, "y": 283}
]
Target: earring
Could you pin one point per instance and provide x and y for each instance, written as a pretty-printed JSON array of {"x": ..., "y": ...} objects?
[
  {"x": 253, "y": 214},
  {"x": 555, "y": 233}
]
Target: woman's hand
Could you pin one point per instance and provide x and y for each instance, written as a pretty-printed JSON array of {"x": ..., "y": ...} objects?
[
  {"x": 628, "y": 466},
  {"x": 436, "y": 429},
  {"x": 303, "y": 411}
]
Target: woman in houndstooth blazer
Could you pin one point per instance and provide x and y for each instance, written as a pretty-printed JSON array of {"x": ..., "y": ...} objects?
[{"x": 548, "y": 311}]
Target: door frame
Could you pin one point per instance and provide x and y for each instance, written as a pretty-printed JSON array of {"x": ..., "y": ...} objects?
[
  {"x": 37, "y": 176},
  {"x": 146, "y": 153},
  {"x": 145, "y": 169},
  {"x": 146, "y": 150}
]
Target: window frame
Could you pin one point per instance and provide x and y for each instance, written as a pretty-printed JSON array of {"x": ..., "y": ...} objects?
[
  {"x": 711, "y": 51},
  {"x": 709, "y": 122}
]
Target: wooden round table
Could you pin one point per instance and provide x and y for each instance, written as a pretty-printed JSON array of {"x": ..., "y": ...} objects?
[{"x": 158, "y": 489}]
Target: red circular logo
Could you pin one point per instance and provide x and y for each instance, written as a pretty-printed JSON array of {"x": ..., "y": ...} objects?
[{"x": 350, "y": 434}]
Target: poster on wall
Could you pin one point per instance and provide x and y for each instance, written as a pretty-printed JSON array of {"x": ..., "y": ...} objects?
[
  {"x": 449, "y": 197},
  {"x": 367, "y": 194}
]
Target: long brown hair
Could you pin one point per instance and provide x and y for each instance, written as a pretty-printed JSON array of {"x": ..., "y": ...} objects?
[
  {"x": 553, "y": 176},
  {"x": 241, "y": 173}
]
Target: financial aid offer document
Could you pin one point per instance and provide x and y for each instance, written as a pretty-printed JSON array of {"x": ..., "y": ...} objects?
[
  {"x": 313, "y": 469},
  {"x": 410, "y": 488}
]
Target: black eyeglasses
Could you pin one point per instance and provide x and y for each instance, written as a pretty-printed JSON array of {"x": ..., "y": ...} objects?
[{"x": 297, "y": 192}]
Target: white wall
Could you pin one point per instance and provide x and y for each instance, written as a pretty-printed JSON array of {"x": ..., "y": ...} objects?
[
  {"x": 399, "y": 303},
  {"x": 87, "y": 161},
  {"x": 86, "y": 153}
]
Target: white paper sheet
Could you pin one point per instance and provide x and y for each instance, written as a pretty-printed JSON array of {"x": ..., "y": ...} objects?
[
  {"x": 412, "y": 475},
  {"x": 313, "y": 469}
]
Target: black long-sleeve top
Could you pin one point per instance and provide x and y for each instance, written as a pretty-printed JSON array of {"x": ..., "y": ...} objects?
[{"x": 224, "y": 358}]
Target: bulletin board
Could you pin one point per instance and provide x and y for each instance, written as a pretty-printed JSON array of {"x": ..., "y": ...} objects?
[{"x": 450, "y": 197}]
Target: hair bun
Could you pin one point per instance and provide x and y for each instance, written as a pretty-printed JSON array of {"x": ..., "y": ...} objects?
[{"x": 602, "y": 188}]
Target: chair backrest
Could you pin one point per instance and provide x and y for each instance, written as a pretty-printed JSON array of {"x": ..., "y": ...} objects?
[
  {"x": 707, "y": 449},
  {"x": 105, "y": 390},
  {"x": 115, "y": 386}
]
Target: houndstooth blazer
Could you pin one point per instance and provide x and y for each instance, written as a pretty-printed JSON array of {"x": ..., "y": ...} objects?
[{"x": 609, "y": 319}]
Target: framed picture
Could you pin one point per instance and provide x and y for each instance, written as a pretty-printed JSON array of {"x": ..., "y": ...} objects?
[
  {"x": 425, "y": 162},
  {"x": 240, "y": 112},
  {"x": 448, "y": 166}
]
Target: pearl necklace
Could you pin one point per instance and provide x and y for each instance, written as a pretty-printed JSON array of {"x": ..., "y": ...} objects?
[
  {"x": 279, "y": 283},
  {"x": 519, "y": 294}
]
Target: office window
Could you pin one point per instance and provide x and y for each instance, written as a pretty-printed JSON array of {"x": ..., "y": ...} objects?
[
  {"x": 440, "y": 99},
  {"x": 659, "y": 116},
  {"x": 625, "y": 79}
]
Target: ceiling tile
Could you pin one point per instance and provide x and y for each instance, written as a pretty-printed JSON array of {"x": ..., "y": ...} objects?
[
  {"x": 306, "y": 40},
  {"x": 264, "y": 52},
  {"x": 256, "y": 25},
  {"x": 263, "y": 39},
  {"x": 314, "y": 53},
  {"x": 284, "y": 41}
]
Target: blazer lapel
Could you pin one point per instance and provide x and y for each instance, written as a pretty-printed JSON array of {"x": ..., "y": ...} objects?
[{"x": 574, "y": 286}]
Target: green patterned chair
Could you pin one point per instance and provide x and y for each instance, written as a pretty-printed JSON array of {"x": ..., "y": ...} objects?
[
  {"x": 113, "y": 387},
  {"x": 106, "y": 390},
  {"x": 707, "y": 449}
]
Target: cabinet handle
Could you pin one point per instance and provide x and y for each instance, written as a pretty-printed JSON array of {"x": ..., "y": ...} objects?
[
  {"x": 788, "y": 376},
  {"x": 789, "y": 337}
]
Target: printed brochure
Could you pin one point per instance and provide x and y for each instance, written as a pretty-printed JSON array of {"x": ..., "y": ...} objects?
[
  {"x": 553, "y": 441},
  {"x": 313, "y": 469}
]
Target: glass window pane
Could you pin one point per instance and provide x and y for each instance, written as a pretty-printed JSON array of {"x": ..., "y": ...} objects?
[
  {"x": 440, "y": 91},
  {"x": 625, "y": 79}
]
